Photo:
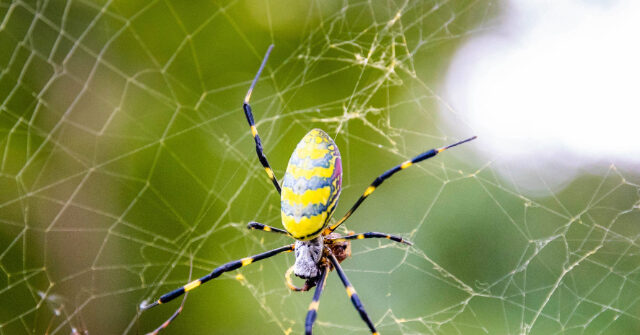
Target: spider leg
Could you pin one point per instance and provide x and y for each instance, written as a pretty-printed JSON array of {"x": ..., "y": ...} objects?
[
  {"x": 289, "y": 281},
  {"x": 264, "y": 227},
  {"x": 315, "y": 302},
  {"x": 308, "y": 284},
  {"x": 252, "y": 125},
  {"x": 216, "y": 273},
  {"x": 388, "y": 174},
  {"x": 173, "y": 317},
  {"x": 352, "y": 293},
  {"x": 371, "y": 234},
  {"x": 175, "y": 314}
]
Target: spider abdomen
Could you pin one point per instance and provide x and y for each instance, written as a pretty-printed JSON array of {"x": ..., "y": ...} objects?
[{"x": 311, "y": 185}]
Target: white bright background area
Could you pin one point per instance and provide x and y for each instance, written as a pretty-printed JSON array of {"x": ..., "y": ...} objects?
[{"x": 553, "y": 89}]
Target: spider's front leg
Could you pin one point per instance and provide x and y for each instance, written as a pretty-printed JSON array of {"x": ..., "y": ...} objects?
[
  {"x": 216, "y": 273},
  {"x": 351, "y": 292},
  {"x": 328, "y": 262},
  {"x": 315, "y": 303}
]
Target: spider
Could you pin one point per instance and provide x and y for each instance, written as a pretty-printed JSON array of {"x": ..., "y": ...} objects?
[{"x": 309, "y": 195}]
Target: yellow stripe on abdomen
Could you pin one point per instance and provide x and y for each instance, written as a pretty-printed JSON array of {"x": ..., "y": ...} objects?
[
  {"x": 303, "y": 226},
  {"x": 318, "y": 171},
  {"x": 311, "y": 147},
  {"x": 317, "y": 196},
  {"x": 311, "y": 185}
]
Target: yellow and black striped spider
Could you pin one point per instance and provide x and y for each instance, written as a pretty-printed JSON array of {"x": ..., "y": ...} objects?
[{"x": 309, "y": 194}]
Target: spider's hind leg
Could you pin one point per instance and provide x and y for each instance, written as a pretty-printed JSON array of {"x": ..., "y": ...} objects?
[
  {"x": 252, "y": 125},
  {"x": 315, "y": 303}
]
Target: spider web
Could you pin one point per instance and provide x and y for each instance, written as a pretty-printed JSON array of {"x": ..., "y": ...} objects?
[{"x": 127, "y": 163}]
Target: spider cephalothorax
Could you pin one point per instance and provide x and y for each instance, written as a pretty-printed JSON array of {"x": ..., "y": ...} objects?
[
  {"x": 309, "y": 195},
  {"x": 312, "y": 257},
  {"x": 308, "y": 256}
]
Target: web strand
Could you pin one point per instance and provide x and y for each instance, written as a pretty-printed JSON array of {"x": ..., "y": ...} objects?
[{"x": 123, "y": 153}]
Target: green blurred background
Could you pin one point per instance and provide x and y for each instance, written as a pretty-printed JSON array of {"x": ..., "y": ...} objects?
[{"x": 127, "y": 161}]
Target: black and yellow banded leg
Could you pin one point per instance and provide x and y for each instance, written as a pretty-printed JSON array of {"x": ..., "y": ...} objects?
[
  {"x": 252, "y": 125},
  {"x": 371, "y": 234},
  {"x": 315, "y": 303},
  {"x": 351, "y": 292},
  {"x": 216, "y": 273},
  {"x": 169, "y": 320},
  {"x": 264, "y": 227},
  {"x": 175, "y": 314},
  {"x": 387, "y": 175}
]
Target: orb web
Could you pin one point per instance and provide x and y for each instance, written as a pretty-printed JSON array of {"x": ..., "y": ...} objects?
[{"x": 127, "y": 163}]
